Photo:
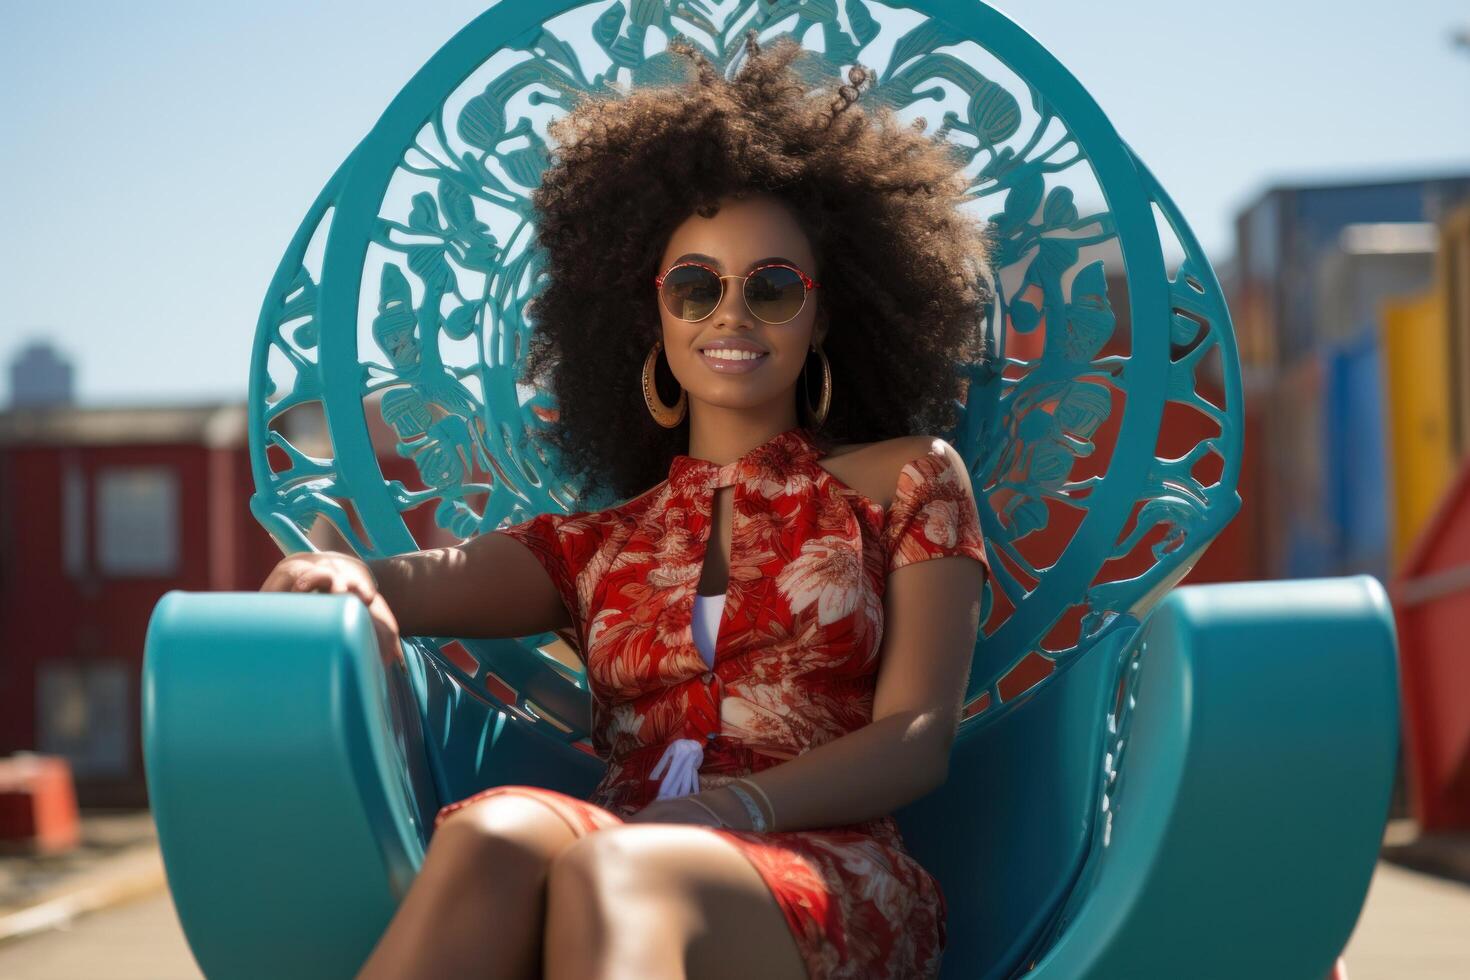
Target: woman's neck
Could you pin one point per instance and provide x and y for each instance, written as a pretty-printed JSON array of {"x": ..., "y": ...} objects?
[{"x": 723, "y": 435}]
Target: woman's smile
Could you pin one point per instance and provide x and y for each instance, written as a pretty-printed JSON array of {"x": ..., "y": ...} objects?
[{"x": 731, "y": 356}]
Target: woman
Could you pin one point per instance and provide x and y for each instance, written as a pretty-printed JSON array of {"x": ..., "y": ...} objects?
[{"x": 777, "y": 624}]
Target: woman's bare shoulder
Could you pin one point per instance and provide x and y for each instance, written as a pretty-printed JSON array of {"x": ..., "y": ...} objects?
[{"x": 872, "y": 468}]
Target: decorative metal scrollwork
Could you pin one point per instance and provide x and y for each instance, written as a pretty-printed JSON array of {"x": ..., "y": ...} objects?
[{"x": 411, "y": 322}]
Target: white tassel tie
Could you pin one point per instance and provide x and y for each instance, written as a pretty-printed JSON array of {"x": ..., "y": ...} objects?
[{"x": 682, "y": 759}]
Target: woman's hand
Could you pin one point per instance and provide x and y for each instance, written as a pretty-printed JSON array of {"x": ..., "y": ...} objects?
[
  {"x": 334, "y": 572},
  {"x": 681, "y": 809},
  {"x": 678, "y": 809},
  {"x": 322, "y": 571}
]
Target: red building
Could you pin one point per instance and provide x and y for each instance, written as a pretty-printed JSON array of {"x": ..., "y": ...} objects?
[{"x": 102, "y": 511}]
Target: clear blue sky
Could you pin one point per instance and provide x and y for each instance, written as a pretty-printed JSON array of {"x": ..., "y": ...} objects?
[{"x": 157, "y": 155}]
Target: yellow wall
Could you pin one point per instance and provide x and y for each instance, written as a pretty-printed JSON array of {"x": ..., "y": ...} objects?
[
  {"x": 1452, "y": 282},
  {"x": 1420, "y": 430}
]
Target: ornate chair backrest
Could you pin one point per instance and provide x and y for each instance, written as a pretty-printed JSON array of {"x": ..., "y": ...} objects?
[
  {"x": 401, "y": 297},
  {"x": 1104, "y": 447}
]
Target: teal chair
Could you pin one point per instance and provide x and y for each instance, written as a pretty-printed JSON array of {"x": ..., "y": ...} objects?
[{"x": 1150, "y": 781}]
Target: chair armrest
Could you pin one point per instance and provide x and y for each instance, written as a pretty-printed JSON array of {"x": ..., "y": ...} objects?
[
  {"x": 1255, "y": 784},
  {"x": 287, "y": 777}
]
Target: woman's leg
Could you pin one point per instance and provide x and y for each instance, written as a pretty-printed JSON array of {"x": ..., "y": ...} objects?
[
  {"x": 477, "y": 906},
  {"x": 663, "y": 900}
]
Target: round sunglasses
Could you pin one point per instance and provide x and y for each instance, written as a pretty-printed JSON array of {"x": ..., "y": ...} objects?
[{"x": 773, "y": 293}]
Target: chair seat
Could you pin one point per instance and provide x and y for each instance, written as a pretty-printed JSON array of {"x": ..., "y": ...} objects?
[{"x": 271, "y": 724}]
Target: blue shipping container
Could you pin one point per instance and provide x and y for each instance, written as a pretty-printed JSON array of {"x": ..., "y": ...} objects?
[{"x": 1356, "y": 485}]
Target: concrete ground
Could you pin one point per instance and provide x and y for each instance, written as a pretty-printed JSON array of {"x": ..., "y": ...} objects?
[
  {"x": 110, "y": 841},
  {"x": 1414, "y": 925},
  {"x": 139, "y": 940}
]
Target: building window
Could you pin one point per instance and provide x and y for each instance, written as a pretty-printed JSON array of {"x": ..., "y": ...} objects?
[
  {"x": 85, "y": 714},
  {"x": 74, "y": 519},
  {"x": 137, "y": 521}
]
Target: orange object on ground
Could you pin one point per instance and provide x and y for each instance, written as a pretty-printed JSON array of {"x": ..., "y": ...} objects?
[{"x": 38, "y": 803}]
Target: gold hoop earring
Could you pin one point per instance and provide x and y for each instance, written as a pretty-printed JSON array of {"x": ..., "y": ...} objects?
[
  {"x": 818, "y": 415},
  {"x": 667, "y": 416}
]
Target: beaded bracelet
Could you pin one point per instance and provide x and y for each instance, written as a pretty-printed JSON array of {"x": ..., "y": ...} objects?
[
  {"x": 757, "y": 818},
  {"x": 719, "y": 820},
  {"x": 762, "y": 793}
]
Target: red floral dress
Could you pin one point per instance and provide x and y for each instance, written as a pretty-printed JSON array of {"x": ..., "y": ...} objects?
[{"x": 795, "y": 666}]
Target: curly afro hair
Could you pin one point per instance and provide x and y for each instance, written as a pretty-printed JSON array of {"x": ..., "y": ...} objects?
[{"x": 905, "y": 273}]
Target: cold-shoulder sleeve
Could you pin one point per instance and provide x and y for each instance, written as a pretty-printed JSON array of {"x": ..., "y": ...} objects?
[
  {"x": 933, "y": 515},
  {"x": 567, "y": 546}
]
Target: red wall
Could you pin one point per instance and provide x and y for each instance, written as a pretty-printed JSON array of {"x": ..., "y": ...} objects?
[
  {"x": 47, "y": 613},
  {"x": 1431, "y": 601}
]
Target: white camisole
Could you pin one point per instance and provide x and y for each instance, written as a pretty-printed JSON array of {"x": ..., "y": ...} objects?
[
  {"x": 678, "y": 769},
  {"x": 708, "y": 609}
]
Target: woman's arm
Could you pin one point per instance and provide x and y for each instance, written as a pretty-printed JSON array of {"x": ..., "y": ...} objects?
[
  {"x": 491, "y": 585},
  {"x": 933, "y": 612}
]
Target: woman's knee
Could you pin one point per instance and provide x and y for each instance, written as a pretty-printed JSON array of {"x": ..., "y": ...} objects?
[
  {"x": 655, "y": 895},
  {"x": 583, "y": 869},
  {"x": 504, "y": 832},
  {"x": 604, "y": 906},
  {"x": 642, "y": 880}
]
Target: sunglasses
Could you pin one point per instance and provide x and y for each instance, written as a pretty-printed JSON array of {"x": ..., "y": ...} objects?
[{"x": 773, "y": 293}]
